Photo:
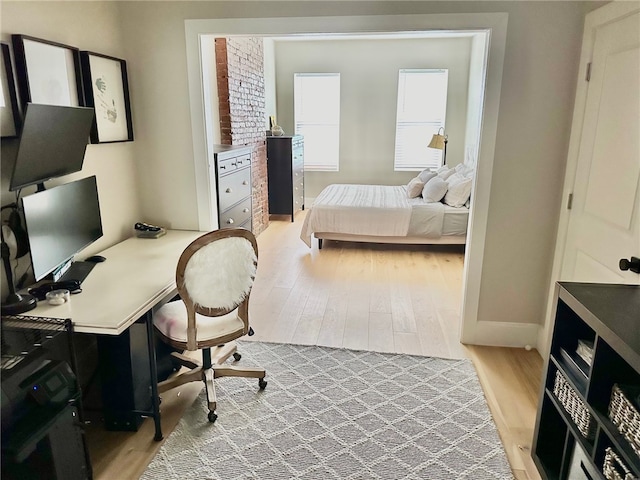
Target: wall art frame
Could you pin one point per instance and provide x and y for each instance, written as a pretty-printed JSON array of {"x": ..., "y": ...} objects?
[
  {"x": 106, "y": 89},
  {"x": 10, "y": 118},
  {"x": 48, "y": 72}
]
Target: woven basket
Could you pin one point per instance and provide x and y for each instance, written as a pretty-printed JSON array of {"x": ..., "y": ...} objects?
[
  {"x": 614, "y": 468},
  {"x": 625, "y": 416},
  {"x": 574, "y": 406}
]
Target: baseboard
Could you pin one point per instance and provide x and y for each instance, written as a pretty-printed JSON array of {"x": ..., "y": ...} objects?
[{"x": 506, "y": 334}]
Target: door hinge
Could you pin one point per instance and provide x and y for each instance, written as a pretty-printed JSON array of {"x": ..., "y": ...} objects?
[
  {"x": 588, "y": 77},
  {"x": 570, "y": 201}
]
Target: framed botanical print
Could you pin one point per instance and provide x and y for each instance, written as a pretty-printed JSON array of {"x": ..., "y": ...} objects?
[{"x": 106, "y": 89}]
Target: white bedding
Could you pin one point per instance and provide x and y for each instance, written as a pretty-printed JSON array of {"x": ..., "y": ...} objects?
[{"x": 380, "y": 211}]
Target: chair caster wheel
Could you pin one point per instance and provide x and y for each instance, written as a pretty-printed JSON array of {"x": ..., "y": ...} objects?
[
  {"x": 262, "y": 383},
  {"x": 237, "y": 356},
  {"x": 212, "y": 417}
]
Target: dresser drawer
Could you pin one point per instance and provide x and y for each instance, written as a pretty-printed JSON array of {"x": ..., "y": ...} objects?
[
  {"x": 237, "y": 215},
  {"x": 228, "y": 165},
  {"x": 233, "y": 188}
]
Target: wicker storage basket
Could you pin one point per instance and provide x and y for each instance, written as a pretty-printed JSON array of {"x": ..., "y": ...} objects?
[
  {"x": 624, "y": 415},
  {"x": 574, "y": 406},
  {"x": 614, "y": 468}
]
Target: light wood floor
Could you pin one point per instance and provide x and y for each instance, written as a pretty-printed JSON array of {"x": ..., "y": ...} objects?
[{"x": 402, "y": 299}]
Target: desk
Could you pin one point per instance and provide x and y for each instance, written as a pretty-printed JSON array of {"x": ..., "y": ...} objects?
[{"x": 137, "y": 277}]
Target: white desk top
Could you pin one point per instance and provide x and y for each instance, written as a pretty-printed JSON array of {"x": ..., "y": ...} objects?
[{"x": 138, "y": 274}]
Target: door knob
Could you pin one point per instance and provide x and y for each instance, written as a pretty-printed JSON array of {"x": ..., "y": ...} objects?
[{"x": 633, "y": 264}]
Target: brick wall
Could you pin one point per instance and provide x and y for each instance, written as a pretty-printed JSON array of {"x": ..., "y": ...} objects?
[{"x": 240, "y": 70}]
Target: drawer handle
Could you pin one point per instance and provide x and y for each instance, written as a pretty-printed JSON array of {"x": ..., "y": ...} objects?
[
  {"x": 223, "y": 167},
  {"x": 228, "y": 190},
  {"x": 230, "y": 221},
  {"x": 296, "y": 188},
  {"x": 246, "y": 210},
  {"x": 245, "y": 183},
  {"x": 234, "y": 163}
]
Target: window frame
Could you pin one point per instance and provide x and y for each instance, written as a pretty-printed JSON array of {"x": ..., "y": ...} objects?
[{"x": 330, "y": 150}]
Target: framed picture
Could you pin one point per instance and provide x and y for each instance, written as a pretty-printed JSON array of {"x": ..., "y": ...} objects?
[
  {"x": 9, "y": 110},
  {"x": 106, "y": 89},
  {"x": 48, "y": 72}
]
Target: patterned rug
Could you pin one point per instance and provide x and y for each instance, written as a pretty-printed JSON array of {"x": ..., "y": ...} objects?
[{"x": 338, "y": 414}]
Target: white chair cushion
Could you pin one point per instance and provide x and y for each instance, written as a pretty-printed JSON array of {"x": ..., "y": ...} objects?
[
  {"x": 220, "y": 274},
  {"x": 171, "y": 321}
]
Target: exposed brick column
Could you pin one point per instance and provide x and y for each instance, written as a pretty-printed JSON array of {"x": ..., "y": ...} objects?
[{"x": 240, "y": 72}]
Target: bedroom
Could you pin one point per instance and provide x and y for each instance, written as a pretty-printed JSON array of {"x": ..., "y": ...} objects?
[{"x": 153, "y": 176}]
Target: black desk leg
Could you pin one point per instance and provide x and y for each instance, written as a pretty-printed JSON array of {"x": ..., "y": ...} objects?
[{"x": 155, "y": 400}]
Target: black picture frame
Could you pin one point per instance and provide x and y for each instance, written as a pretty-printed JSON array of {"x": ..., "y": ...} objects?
[
  {"x": 106, "y": 89},
  {"x": 9, "y": 109},
  {"x": 48, "y": 72}
]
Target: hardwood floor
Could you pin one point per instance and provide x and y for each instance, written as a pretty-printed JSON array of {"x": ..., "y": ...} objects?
[{"x": 388, "y": 298}]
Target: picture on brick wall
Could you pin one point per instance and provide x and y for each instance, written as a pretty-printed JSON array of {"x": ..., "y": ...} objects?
[{"x": 106, "y": 89}]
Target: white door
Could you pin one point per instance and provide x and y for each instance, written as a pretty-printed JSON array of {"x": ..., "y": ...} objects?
[{"x": 604, "y": 220}]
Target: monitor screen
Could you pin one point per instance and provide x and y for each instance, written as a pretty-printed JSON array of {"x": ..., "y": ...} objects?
[
  {"x": 52, "y": 143},
  {"x": 60, "y": 222}
]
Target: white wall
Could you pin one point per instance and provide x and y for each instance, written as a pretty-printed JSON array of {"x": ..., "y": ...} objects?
[
  {"x": 475, "y": 99},
  {"x": 538, "y": 87},
  {"x": 270, "y": 99},
  {"x": 368, "y": 99},
  {"x": 90, "y": 26}
]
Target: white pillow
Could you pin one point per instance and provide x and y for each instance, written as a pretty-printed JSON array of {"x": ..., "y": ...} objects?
[
  {"x": 458, "y": 193},
  {"x": 414, "y": 188},
  {"x": 443, "y": 168},
  {"x": 434, "y": 190},
  {"x": 426, "y": 175},
  {"x": 455, "y": 178},
  {"x": 446, "y": 173},
  {"x": 463, "y": 169}
]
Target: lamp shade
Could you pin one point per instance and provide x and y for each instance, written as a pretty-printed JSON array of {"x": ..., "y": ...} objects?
[{"x": 437, "y": 141}]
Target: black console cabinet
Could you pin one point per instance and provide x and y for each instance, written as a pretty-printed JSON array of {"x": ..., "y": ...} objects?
[
  {"x": 285, "y": 167},
  {"x": 575, "y": 438}
]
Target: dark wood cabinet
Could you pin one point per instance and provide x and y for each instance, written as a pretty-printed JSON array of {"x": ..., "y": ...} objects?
[
  {"x": 233, "y": 181},
  {"x": 285, "y": 167},
  {"x": 594, "y": 356}
]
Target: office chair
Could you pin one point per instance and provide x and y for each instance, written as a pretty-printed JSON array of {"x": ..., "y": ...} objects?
[{"x": 214, "y": 277}]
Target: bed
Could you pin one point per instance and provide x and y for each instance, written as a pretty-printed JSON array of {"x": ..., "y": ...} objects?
[{"x": 382, "y": 214}]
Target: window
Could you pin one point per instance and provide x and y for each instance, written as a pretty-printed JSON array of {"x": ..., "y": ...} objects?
[
  {"x": 317, "y": 117},
  {"x": 422, "y": 107}
]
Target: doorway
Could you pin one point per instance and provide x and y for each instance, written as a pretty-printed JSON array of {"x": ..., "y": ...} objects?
[{"x": 472, "y": 331}]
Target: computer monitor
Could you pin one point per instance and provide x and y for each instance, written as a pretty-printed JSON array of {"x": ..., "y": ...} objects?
[
  {"x": 52, "y": 143},
  {"x": 60, "y": 222}
]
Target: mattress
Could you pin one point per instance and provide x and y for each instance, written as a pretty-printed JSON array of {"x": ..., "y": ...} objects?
[{"x": 380, "y": 211}]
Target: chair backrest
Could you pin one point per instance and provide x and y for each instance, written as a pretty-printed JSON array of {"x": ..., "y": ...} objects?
[{"x": 215, "y": 274}]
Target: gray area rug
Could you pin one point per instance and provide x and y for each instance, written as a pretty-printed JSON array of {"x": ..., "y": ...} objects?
[{"x": 338, "y": 414}]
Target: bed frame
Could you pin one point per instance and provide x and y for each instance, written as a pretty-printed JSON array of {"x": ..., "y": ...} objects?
[{"x": 415, "y": 240}]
